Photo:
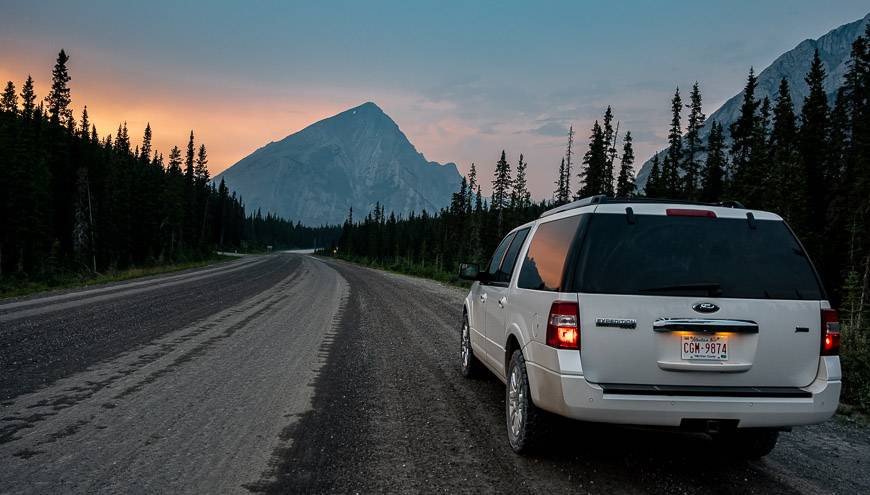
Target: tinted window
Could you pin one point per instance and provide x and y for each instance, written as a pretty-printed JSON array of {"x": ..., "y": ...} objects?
[
  {"x": 510, "y": 258},
  {"x": 545, "y": 259},
  {"x": 497, "y": 256},
  {"x": 691, "y": 256}
]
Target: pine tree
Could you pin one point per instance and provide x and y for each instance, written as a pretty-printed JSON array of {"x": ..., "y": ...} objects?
[
  {"x": 757, "y": 187},
  {"x": 200, "y": 169},
  {"x": 122, "y": 140},
  {"x": 58, "y": 99},
  {"x": 694, "y": 146},
  {"x": 520, "y": 197},
  {"x": 609, "y": 151},
  {"x": 625, "y": 187},
  {"x": 457, "y": 200},
  {"x": 674, "y": 155},
  {"x": 813, "y": 145},
  {"x": 145, "y": 151},
  {"x": 565, "y": 195},
  {"x": 592, "y": 177},
  {"x": 743, "y": 132},
  {"x": 501, "y": 184},
  {"x": 85, "y": 128},
  {"x": 653, "y": 188},
  {"x": 712, "y": 180},
  {"x": 188, "y": 162},
  {"x": 28, "y": 98},
  {"x": 472, "y": 186},
  {"x": 787, "y": 183},
  {"x": 560, "y": 185},
  {"x": 9, "y": 100}
]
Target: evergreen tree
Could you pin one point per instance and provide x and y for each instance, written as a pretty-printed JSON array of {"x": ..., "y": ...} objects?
[
  {"x": 85, "y": 128},
  {"x": 501, "y": 187},
  {"x": 813, "y": 144},
  {"x": 28, "y": 98},
  {"x": 625, "y": 187},
  {"x": 565, "y": 194},
  {"x": 520, "y": 196},
  {"x": 145, "y": 152},
  {"x": 501, "y": 184},
  {"x": 743, "y": 134},
  {"x": 694, "y": 146},
  {"x": 756, "y": 190},
  {"x": 558, "y": 194},
  {"x": 58, "y": 99},
  {"x": 472, "y": 186},
  {"x": 609, "y": 151},
  {"x": 122, "y": 140},
  {"x": 189, "y": 161},
  {"x": 592, "y": 177},
  {"x": 654, "y": 187},
  {"x": 787, "y": 191},
  {"x": 9, "y": 100},
  {"x": 674, "y": 155},
  {"x": 712, "y": 180},
  {"x": 457, "y": 201}
]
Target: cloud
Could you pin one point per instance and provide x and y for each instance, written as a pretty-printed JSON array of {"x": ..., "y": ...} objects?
[{"x": 552, "y": 129}]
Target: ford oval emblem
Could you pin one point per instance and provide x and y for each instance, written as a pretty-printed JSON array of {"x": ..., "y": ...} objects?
[{"x": 705, "y": 307}]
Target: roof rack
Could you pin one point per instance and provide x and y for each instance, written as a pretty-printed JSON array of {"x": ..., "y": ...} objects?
[
  {"x": 590, "y": 200},
  {"x": 602, "y": 199}
]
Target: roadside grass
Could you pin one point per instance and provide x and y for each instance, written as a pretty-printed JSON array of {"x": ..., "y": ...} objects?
[
  {"x": 16, "y": 286},
  {"x": 853, "y": 414},
  {"x": 403, "y": 267}
]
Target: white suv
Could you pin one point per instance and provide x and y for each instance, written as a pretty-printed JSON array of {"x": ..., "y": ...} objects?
[{"x": 704, "y": 317}]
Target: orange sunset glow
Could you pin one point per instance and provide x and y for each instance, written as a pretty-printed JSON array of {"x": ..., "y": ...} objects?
[{"x": 226, "y": 119}]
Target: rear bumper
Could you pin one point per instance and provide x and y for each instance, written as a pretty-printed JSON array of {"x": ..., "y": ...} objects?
[{"x": 572, "y": 396}]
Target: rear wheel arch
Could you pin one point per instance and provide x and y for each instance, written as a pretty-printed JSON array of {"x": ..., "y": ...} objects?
[{"x": 512, "y": 344}]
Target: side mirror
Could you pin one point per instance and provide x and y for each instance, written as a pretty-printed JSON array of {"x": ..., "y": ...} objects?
[{"x": 469, "y": 271}]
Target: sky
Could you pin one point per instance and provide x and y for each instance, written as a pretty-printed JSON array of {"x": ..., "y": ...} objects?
[{"x": 463, "y": 80}]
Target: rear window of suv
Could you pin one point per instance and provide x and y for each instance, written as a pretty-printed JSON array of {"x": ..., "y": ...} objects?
[{"x": 694, "y": 256}]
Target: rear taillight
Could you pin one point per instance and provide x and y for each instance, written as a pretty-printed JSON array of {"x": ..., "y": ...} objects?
[
  {"x": 563, "y": 329},
  {"x": 830, "y": 332},
  {"x": 681, "y": 212}
]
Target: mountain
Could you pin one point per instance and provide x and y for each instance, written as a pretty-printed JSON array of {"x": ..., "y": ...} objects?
[
  {"x": 353, "y": 159},
  {"x": 834, "y": 49}
]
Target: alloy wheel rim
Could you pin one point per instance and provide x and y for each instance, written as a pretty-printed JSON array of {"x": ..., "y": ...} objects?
[{"x": 515, "y": 403}]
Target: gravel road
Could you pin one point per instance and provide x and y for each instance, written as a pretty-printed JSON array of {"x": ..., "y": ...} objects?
[{"x": 291, "y": 374}]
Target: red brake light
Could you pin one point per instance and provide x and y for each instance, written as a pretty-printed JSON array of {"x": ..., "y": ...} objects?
[
  {"x": 830, "y": 333},
  {"x": 563, "y": 329},
  {"x": 679, "y": 212}
]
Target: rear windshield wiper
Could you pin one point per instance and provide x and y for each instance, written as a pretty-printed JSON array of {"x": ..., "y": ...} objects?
[{"x": 712, "y": 288}]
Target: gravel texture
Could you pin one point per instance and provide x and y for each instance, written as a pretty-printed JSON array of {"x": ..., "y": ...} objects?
[{"x": 292, "y": 374}]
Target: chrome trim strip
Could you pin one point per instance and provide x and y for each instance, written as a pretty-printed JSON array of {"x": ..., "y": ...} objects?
[{"x": 704, "y": 325}]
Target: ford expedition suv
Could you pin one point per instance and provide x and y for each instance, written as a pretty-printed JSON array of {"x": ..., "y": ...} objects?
[{"x": 704, "y": 317}]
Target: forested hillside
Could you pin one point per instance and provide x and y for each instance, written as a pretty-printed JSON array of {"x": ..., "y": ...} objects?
[
  {"x": 812, "y": 168},
  {"x": 73, "y": 201}
]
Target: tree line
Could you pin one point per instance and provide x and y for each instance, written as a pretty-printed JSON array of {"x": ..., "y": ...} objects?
[
  {"x": 812, "y": 167},
  {"x": 71, "y": 200}
]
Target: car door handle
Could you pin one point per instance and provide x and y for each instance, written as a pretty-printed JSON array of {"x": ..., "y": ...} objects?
[
  {"x": 483, "y": 298},
  {"x": 502, "y": 302}
]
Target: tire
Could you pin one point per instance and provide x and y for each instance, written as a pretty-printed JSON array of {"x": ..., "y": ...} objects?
[
  {"x": 747, "y": 443},
  {"x": 469, "y": 365},
  {"x": 526, "y": 424}
]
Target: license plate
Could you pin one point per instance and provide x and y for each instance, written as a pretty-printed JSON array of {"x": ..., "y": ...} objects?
[{"x": 707, "y": 347}]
